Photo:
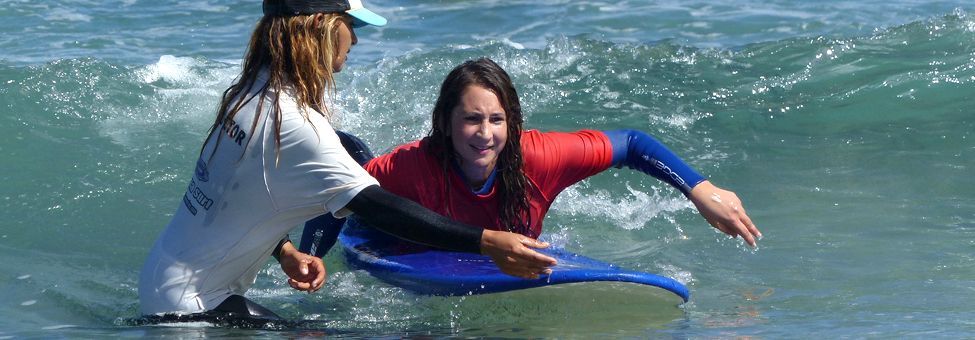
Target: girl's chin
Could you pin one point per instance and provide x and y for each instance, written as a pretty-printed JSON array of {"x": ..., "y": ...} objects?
[{"x": 480, "y": 163}]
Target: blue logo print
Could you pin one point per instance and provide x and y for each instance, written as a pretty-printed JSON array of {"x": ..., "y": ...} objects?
[{"x": 202, "y": 173}]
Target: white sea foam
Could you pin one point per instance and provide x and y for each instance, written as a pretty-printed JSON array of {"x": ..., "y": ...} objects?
[
  {"x": 197, "y": 324},
  {"x": 631, "y": 211},
  {"x": 509, "y": 42},
  {"x": 57, "y": 327},
  {"x": 178, "y": 70},
  {"x": 680, "y": 120},
  {"x": 557, "y": 238},
  {"x": 184, "y": 91},
  {"x": 344, "y": 284},
  {"x": 682, "y": 276}
]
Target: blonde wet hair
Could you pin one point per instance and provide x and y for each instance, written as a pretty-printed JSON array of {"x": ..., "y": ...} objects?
[{"x": 298, "y": 53}]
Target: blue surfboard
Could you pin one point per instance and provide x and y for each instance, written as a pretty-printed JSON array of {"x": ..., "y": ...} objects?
[{"x": 428, "y": 271}]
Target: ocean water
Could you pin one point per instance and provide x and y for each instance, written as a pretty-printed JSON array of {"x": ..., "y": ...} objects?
[{"x": 846, "y": 127}]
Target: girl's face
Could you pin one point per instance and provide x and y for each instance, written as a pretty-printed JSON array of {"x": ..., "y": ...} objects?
[
  {"x": 478, "y": 131},
  {"x": 346, "y": 38}
]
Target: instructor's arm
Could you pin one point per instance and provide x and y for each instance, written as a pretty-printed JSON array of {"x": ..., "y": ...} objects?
[{"x": 397, "y": 216}]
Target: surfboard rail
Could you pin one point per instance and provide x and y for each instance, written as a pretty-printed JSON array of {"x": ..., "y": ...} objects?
[{"x": 429, "y": 271}]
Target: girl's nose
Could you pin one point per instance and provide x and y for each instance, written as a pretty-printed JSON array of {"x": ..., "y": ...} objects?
[{"x": 485, "y": 129}]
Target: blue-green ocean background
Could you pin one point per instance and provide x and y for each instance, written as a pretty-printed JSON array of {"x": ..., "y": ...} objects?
[{"x": 845, "y": 126}]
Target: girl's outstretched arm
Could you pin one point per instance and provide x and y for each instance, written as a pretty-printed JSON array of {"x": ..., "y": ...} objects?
[{"x": 721, "y": 208}]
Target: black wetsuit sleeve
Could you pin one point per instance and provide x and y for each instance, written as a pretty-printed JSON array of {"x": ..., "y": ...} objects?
[{"x": 409, "y": 220}]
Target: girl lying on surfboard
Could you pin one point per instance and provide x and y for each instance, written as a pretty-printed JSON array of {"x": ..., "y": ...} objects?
[{"x": 478, "y": 165}]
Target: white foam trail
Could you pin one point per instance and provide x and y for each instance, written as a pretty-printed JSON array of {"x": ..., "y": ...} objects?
[
  {"x": 57, "y": 327},
  {"x": 198, "y": 324},
  {"x": 509, "y": 42}
]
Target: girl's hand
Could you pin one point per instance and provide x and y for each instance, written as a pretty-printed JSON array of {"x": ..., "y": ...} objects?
[{"x": 724, "y": 211}]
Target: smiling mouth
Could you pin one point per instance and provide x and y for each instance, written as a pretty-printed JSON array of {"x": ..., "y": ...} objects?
[{"x": 482, "y": 148}]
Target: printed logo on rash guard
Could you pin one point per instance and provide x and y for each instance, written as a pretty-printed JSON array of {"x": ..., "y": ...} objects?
[
  {"x": 195, "y": 194},
  {"x": 199, "y": 196},
  {"x": 669, "y": 172},
  {"x": 234, "y": 131},
  {"x": 202, "y": 173}
]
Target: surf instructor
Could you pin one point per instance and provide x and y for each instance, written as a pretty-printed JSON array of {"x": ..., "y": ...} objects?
[{"x": 271, "y": 160}]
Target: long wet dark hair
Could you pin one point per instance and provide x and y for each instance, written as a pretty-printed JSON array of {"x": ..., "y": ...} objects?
[{"x": 512, "y": 183}]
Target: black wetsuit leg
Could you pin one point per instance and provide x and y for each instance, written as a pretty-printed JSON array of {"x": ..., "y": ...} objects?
[
  {"x": 321, "y": 232},
  {"x": 236, "y": 311},
  {"x": 241, "y": 306}
]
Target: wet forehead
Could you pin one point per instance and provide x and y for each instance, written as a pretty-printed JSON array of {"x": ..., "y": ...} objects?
[{"x": 479, "y": 100}]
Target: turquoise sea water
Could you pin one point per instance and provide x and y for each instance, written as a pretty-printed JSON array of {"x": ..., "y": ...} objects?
[{"x": 846, "y": 127}]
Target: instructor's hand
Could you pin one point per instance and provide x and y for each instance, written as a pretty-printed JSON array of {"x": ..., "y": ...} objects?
[
  {"x": 305, "y": 272},
  {"x": 723, "y": 210},
  {"x": 512, "y": 254}
]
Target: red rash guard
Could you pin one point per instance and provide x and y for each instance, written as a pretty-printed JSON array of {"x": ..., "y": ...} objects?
[{"x": 552, "y": 162}]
